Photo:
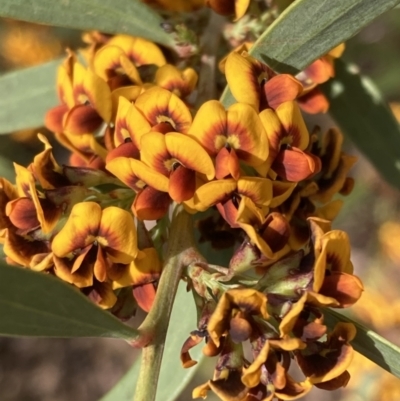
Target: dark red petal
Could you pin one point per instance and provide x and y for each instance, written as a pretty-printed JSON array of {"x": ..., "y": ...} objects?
[
  {"x": 82, "y": 119},
  {"x": 294, "y": 165},
  {"x": 53, "y": 120},
  {"x": 182, "y": 184},
  {"x": 22, "y": 214},
  {"x": 144, "y": 295},
  {"x": 151, "y": 204}
]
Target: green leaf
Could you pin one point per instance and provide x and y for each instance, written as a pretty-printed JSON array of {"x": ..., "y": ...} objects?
[
  {"x": 364, "y": 117},
  {"x": 368, "y": 343},
  {"x": 110, "y": 16},
  {"x": 29, "y": 94},
  {"x": 40, "y": 305},
  {"x": 308, "y": 29},
  {"x": 173, "y": 378}
]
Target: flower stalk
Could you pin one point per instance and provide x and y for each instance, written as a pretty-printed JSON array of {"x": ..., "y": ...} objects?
[{"x": 181, "y": 253}]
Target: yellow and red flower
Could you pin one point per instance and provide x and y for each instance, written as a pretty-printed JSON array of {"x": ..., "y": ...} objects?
[
  {"x": 230, "y": 136},
  {"x": 289, "y": 138}
]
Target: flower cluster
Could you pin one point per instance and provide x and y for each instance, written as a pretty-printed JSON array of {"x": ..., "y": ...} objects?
[{"x": 262, "y": 184}]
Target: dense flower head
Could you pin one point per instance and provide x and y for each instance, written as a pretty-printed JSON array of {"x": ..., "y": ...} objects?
[{"x": 262, "y": 184}]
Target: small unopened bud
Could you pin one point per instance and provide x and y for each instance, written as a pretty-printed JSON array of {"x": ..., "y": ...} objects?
[{"x": 245, "y": 258}]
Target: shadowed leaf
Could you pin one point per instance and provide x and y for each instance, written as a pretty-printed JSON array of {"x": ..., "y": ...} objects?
[
  {"x": 36, "y": 304},
  {"x": 109, "y": 16},
  {"x": 364, "y": 117},
  {"x": 368, "y": 343},
  {"x": 30, "y": 93}
]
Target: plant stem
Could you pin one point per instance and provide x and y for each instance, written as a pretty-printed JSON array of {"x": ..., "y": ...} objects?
[
  {"x": 209, "y": 44},
  {"x": 181, "y": 252}
]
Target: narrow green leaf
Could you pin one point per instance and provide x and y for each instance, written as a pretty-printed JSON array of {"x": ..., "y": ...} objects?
[
  {"x": 364, "y": 117},
  {"x": 173, "y": 378},
  {"x": 368, "y": 343},
  {"x": 40, "y": 305},
  {"x": 27, "y": 95},
  {"x": 308, "y": 29},
  {"x": 110, "y": 16}
]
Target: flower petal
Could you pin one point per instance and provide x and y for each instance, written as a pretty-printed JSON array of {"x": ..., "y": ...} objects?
[
  {"x": 294, "y": 165},
  {"x": 214, "y": 192},
  {"x": 182, "y": 184},
  {"x": 280, "y": 89},
  {"x": 242, "y": 75},
  {"x": 83, "y": 277},
  {"x": 189, "y": 153},
  {"x": 343, "y": 287},
  {"x": 99, "y": 95},
  {"x": 139, "y": 50},
  {"x": 259, "y": 190},
  {"x": 80, "y": 229},
  {"x": 117, "y": 235},
  {"x": 296, "y": 132},
  {"x": 129, "y": 123},
  {"x": 208, "y": 125},
  {"x": 82, "y": 119},
  {"x": 227, "y": 164},
  {"x": 151, "y": 204},
  {"x": 159, "y": 105},
  {"x": 245, "y": 133}
]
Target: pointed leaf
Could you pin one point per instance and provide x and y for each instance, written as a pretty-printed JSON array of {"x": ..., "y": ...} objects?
[
  {"x": 110, "y": 16},
  {"x": 173, "y": 378},
  {"x": 364, "y": 117},
  {"x": 40, "y": 305},
  {"x": 27, "y": 95},
  {"x": 308, "y": 29},
  {"x": 368, "y": 343}
]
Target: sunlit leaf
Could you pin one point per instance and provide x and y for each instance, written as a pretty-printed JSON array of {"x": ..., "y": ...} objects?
[
  {"x": 173, "y": 378},
  {"x": 308, "y": 29},
  {"x": 364, "y": 117},
  {"x": 27, "y": 95},
  {"x": 109, "y": 16},
  {"x": 36, "y": 304},
  {"x": 370, "y": 344}
]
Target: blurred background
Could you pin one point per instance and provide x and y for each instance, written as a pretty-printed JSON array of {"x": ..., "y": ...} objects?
[{"x": 85, "y": 369}]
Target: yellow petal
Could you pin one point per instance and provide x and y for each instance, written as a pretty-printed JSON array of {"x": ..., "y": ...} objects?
[
  {"x": 159, "y": 105},
  {"x": 141, "y": 270},
  {"x": 290, "y": 116},
  {"x": 259, "y": 190},
  {"x": 189, "y": 153},
  {"x": 246, "y": 134},
  {"x": 209, "y": 125},
  {"x": 99, "y": 94},
  {"x": 241, "y": 7},
  {"x": 130, "y": 170},
  {"x": 117, "y": 235},
  {"x": 242, "y": 76},
  {"x": 80, "y": 229},
  {"x": 140, "y": 51},
  {"x": 213, "y": 192},
  {"x": 129, "y": 123}
]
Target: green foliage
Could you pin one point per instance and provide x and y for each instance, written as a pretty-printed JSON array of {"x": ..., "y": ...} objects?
[
  {"x": 109, "y": 16},
  {"x": 369, "y": 343},
  {"x": 364, "y": 117},
  {"x": 173, "y": 378},
  {"x": 36, "y": 304},
  {"x": 30, "y": 93},
  {"x": 308, "y": 29}
]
